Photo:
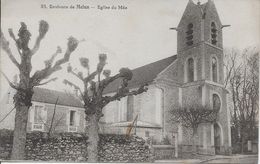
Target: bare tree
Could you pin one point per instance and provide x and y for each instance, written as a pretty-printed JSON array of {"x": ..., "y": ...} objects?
[
  {"x": 24, "y": 88},
  {"x": 192, "y": 116},
  {"x": 95, "y": 101},
  {"x": 242, "y": 80}
]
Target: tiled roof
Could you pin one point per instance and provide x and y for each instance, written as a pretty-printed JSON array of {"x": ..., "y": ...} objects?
[
  {"x": 50, "y": 96},
  {"x": 143, "y": 75}
]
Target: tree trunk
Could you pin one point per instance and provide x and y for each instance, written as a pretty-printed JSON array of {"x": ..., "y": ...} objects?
[
  {"x": 92, "y": 132},
  {"x": 194, "y": 147},
  {"x": 194, "y": 138},
  {"x": 19, "y": 140}
]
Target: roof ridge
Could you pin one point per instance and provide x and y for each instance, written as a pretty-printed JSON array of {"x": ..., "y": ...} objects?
[
  {"x": 144, "y": 74},
  {"x": 49, "y": 89}
]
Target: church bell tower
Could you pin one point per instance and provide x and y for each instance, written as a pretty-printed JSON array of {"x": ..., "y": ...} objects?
[
  {"x": 199, "y": 43},
  {"x": 200, "y": 71}
]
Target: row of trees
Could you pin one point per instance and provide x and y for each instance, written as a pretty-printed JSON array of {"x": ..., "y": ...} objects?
[
  {"x": 93, "y": 83},
  {"x": 242, "y": 80}
]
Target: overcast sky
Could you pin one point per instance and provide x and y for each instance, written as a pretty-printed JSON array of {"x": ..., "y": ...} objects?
[{"x": 131, "y": 38}]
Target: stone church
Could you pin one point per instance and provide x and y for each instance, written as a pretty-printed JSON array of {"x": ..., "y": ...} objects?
[{"x": 193, "y": 76}]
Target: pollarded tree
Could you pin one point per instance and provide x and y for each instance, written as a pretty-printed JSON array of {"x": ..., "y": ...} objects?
[
  {"x": 24, "y": 89},
  {"x": 95, "y": 101},
  {"x": 192, "y": 116}
]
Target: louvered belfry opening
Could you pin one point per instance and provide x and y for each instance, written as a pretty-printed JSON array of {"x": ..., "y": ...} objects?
[
  {"x": 189, "y": 36},
  {"x": 213, "y": 34}
]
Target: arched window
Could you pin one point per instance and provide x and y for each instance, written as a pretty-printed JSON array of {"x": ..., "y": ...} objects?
[
  {"x": 189, "y": 34},
  {"x": 213, "y": 34},
  {"x": 190, "y": 70},
  {"x": 214, "y": 69},
  {"x": 216, "y": 102},
  {"x": 130, "y": 108}
]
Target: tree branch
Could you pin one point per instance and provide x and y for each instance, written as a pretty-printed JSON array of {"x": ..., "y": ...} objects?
[
  {"x": 79, "y": 75},
  {"x": 192, "y": 116},
  {"x": 46, "y": 72},
  {"x": 123, "y": 93},
  {"x": 43, "y": 28},
  {"x": 6, "y": 48},
  {"x": 15, "y": 40},
  {"x": 9, "y": 82},
  {"x": 90, "y": 77},
  {"x": 67, "y": 82},
  {"x": 48, "y": 63},
  {"x": 53, "y": 79}
]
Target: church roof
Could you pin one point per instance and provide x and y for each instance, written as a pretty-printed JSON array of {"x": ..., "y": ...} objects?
[
  {"x": 199, "y": 9},
  {"x": 50, "y": 96},
  {"x": 143, "y": 75}
]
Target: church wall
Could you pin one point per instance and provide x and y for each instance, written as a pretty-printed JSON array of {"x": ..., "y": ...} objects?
[
  {"x": 209, "y": 53},
  {"x": 196, "y": 53},
  {"x": 110, "y": 112},
  {"x": 149, "y": 109},
  {"x": 148, "y": 105},
  {"x": 191, "y": 94},
  {"x": 154, "y": 133},
  {"x": 144, "y": 105},
  {"x": 224, "y": 114},
  {"x": 170, "y": 101}
]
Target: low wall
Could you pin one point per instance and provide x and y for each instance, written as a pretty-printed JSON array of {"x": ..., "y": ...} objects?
[
  {"x": 119, "y": 148},
  {"x": 163, "y": 151},
  {"x": 72, "y": 147},
  {"x": 186, "y": 150}
]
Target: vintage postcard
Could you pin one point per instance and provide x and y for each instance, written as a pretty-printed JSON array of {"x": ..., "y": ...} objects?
[{"x": 158, "y": 81}]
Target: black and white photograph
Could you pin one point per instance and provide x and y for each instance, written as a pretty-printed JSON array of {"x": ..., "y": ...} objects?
[{"x": 129, "y": 81}]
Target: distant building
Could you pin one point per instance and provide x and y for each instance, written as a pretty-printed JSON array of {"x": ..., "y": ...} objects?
[
  {"x": 69, "y": 114},
  {"x": 194, "y": 75}
]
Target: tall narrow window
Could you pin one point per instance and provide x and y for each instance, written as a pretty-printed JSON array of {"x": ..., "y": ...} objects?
[
  {"x": 72, "y": 118},
  {"x": 189, "y": 34},
  {"x": 130, "y": 108},
  {"x": 214, "y": 69},
  {"x": 213, "y": 34},
  {"x": 190, "y": 70},
  {"x": 216, "y": 102}
]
